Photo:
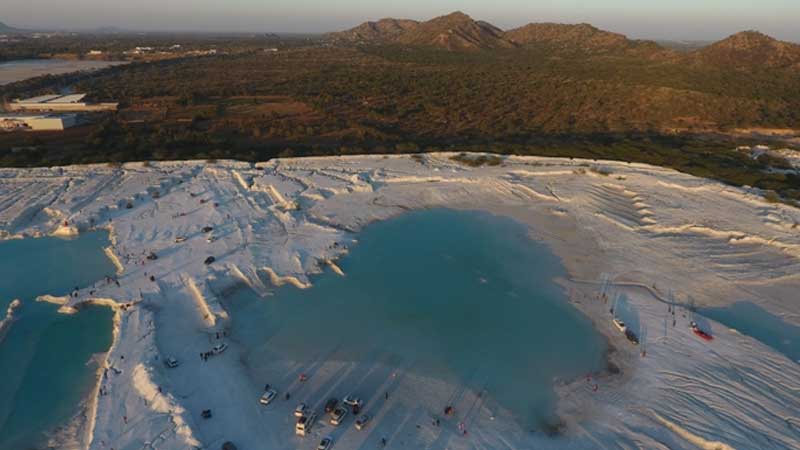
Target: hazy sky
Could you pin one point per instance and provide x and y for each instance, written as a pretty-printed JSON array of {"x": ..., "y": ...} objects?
[{"x": 675, "y": 19}]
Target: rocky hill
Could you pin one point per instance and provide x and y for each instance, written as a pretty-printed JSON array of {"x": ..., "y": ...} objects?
[
  {"x": 456, "y": 32},
  {"x": 577, "y": 37},
  {"x": 382, "y": 31},
  {"x": 459, "y": 32},
  {"x": 750, "y": 50}
]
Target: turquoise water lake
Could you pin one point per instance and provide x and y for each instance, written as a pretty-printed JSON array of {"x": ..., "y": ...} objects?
[
  {"x": 45, "y": 357},
  {"x": 18, "y": 70},
  {"x": 754, "y": 321},
  {"x": 466, "y": 297}
]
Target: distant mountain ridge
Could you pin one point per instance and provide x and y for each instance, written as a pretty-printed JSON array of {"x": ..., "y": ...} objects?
[
  {"x": 8, "y": 29},
  {"x": 459, "y": 32}
]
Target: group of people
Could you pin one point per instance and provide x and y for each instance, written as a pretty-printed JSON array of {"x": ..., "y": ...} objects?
[
  {"x": 594, "y": 386},
  {"x": 110, "y": 280}
]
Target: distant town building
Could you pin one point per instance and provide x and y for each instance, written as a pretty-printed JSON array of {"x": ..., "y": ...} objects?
[
  {"x": 95, "y": 52},
  {"x": 37, "y": 122},
  {"x": 56, "y": 103},
  {"x": 140, "y": 51},
  {"x": 209, "y": 52}
]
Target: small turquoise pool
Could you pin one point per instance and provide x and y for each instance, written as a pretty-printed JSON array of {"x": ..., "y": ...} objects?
[
  {"x": 466, "y": 297},
  {"x": 46, "y": 357},
  {"x": 752, "y": 320}
]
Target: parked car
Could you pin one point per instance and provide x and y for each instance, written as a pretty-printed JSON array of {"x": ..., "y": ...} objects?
[
  {"x": 268, "y": 396},
  {"x": 300, "y": 411},
  {"x": 209, "y": 260},
  {"x": 330, "y": 405},
  {"x": 304, "y": 424},
  {"x": 171, "y": 362},
  {"x": 338, "y": 415},
  {"x": 180, "y": 239},
  {"x": 325, "y": 444},
  {"x": 351, "y": 400},
  {"x": 208, "y": 229},
  {"x": 362, "y": 421},
  {"x": 219, "y": 348},
  {"x": 211, "y": 239},
  {"x": 631, "y": 336}
]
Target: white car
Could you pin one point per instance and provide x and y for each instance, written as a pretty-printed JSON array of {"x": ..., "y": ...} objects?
[
  {"x": 211, "y": 239},
  {"x": 338, "y": 415},
  {"x": 304, "y": 424},
  {"x": 268, "y": 397},
  {"x": 180, "y": 239},
  {"x": 362, "y": 422},
  {"x": 619, "y": 324},
  {"x": 352, "y": 400},
  {"x": 300, "y": 411},
  {"x": 171, "y": 362},
  {"x": 219, "y": 348}
]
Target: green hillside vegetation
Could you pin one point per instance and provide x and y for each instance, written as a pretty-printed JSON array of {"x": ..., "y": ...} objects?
[{"x": 574, "y": 91}]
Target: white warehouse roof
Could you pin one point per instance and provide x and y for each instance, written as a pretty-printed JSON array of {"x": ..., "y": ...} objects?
[
  {"x": 74, "y": 98},
  {"x": 40, "y": 99}
]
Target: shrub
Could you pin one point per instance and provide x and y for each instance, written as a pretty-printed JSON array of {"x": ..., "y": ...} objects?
[{"x": 481, "y": 160}]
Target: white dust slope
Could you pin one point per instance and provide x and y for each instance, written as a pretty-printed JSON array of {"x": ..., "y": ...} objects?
[{"x": 655, "y": 234}]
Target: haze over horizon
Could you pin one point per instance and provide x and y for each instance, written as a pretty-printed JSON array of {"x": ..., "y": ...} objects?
[{"x": 679, "y": 20}]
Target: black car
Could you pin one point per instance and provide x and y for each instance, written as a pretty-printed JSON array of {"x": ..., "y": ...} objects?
[
  {"x": 210, "y": 260},
  {"x": 325, "y": 444},
  {"x": 330, "y": 405}
]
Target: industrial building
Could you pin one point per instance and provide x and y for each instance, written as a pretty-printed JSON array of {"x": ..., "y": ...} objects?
[
  {"x": 37, "y": 122},
  {"x": 59, "y": 103}
]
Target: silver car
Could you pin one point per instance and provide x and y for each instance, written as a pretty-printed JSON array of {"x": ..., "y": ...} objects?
[
  {"x": 362, "y": 422},
  {"x": 304, "y": 424},
  {"x": 268, "y": 397},
  {"x": 219, "y": 348},
  {"x": 338, "y": 415},
  {"x": 352, "y": 400}
]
